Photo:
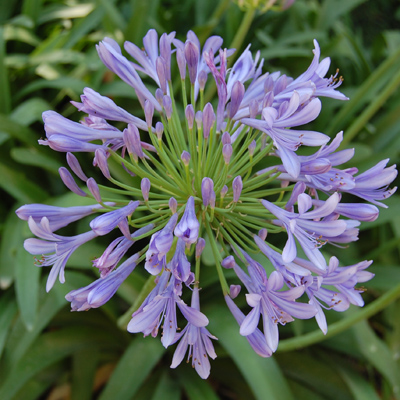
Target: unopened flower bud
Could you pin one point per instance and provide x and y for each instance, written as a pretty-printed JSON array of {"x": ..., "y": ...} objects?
[
  {"x": 226, "y": 138},
  {"x": 234, "y": 291},
  {"x": 145, "y": 186},
  {"x": 100, "y": 160},
  {"x": 268, "y": 100},
  {"x": 165, "y": 51},
  {"x": 167, "y": 104},
  {"x": 76, "y": 167},
  {"x": 181, "y": 61},
  {"x": 207, "y": 188},
  {"x": 268, "y": 84},
  {"x": 189, "y": 113},
  {"x": 192, "y": 59},
  {"x": 252, "y": 147},
  {"x": 148, "y": 113},
  {"x": 132, "y": 141},
  {"x": 159, "y": 96},
  {"x": 202, "y": 79},
  {"x": 227, "y": 153},
  {"x": 228, "y": 262},
  {"x": 69, "y": 182},
  {"x": 159, "y": 130},
  {"x": 173, "y": 205},
  {"x": 199, "y": 119},
  {"x": 124, "y": 228},
  {"x": 94, "y": 189},
  {"x": 160, "y": 68},
  {"x": 224, "y": 191},
  {"x": 212, "y": 200},
  {"x": 262, "y": 233},
  {"x": 236, "y": 98},
  {"x": 185, "y": 157},
  {"x": 208, "y": 119},
  {"x": 237, "y": 186},
  {"x": 280, "y": 84},
  {"x": 253, "y": 108},
  {"x": 201, "y": 244}
]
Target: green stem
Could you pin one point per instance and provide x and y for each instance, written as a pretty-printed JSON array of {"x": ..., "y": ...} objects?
[
  {"x": 146, "y": 289},
  {"x": 338, "y": 327},
  {"x": 241, "y": 34},
  {"x": 362, "y": 92},
  {"x": 218, "y": 258},
  {"x": 372, "y": 108},
  {"x": 235, "y": 44}
]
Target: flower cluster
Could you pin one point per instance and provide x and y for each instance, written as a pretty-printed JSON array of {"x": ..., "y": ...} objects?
[{"x": 200, "y": 185}]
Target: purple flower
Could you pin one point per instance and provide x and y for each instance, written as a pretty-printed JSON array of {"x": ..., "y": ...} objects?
[
  {"x": 244, "y": 69},
  {"x": 344, "y": 280},
  {"x": 55, "y": 249},
  {"x": 58, "y": 217},
  {"x": 111, "y": 56},
  {"x": 315, "y": 74},
  {"x": 287, "y": 141},
  {"x": 265, "y": 299},
  {"x": 65, "y": 144},
  {"x": 160, "y": 244},
  {"x": 116, "y": 250},
  {"x": 306, "y": 229},
  {"x": 198, "y": 340},
  {"x": 188, "y": 226},
  {"x": 148, "y": 57},
  {"x": 103, "y": 107},
  {"x": 56, "y": 124},
  {"x": 100, "y": 291},
  {"x": 256, "y": 338},
  {"x": 213, "y": 44},
  {"x": 179, "y": 265},
  {"x": 372, "y": 184},
  {"x": 161, "y": 304},
  {"x": 105, "y": 223}
]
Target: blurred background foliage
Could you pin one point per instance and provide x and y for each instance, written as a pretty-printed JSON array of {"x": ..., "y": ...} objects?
[{"x": 47, "y": 56}]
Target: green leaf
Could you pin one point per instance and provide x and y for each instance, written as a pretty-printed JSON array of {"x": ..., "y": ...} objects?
[
  {"x": 65, "y": 12},
  {"x": 331, "y": 10},
  {"x": 139, "y": 23},
  {"x": 12, "y": 32},
  {"x": 12, "y": 240},
  {"x": 113, "y": 14},
  {"x": 195, "y": 387},
  {"x": 83, "y": 373},
  {"x": 32, "y": 8},
  {"x": 5, "y": 98},
  {"x": 360, "y": 388},
  {"x": 21, "y": 188},
  {"x": 29, "y": 111},
  {"x": 8, "y": 308},
  {"x": 16, "y": 130},
  {"x": 48, "y": 349},
  {"x": 378, "y": 354},
  {"x": 74, "y": 84},
  {"x": 33, "y": 156},
  {"x": 166, "y": 389},
  {"x": 262, "y": 374},
  {"x": 83, "y": 26},
  {"x": 27, "y": 287},
  {"x": 20, "y": 340},
  {"x": 138, "y": 360}
]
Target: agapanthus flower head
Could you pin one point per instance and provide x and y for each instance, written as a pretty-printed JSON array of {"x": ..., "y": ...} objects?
[{"x": 201, "y": 192}]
